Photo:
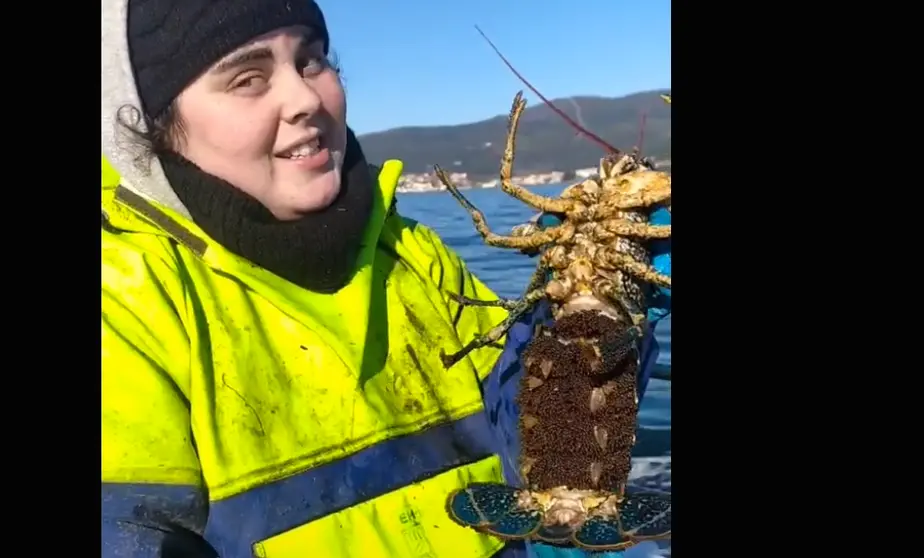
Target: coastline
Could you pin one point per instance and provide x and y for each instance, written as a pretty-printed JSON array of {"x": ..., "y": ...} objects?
[{"x": 419, "y": 183}]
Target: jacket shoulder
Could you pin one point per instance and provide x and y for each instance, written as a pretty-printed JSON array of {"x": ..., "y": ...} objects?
[
  {"x": 139, "y": 260},
  {"x": 143, "y": 295}
]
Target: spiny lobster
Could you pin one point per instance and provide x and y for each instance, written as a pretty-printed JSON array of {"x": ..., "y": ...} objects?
[{"x": 578, "y": 401}]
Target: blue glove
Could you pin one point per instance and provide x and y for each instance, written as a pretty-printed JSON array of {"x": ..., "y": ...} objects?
[
  {"x": 660, "y": 301},
  {"x": 501, "y": 386}
]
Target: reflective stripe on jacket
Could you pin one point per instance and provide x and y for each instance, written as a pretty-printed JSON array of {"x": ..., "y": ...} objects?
[{"x": 276, "y": 422}]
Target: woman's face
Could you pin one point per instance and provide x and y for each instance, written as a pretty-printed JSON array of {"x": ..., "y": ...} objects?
[{"x": 270, "y": 118}]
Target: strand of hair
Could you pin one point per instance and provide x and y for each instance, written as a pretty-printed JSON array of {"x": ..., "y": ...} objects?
[{"x": 581, "y": 130}]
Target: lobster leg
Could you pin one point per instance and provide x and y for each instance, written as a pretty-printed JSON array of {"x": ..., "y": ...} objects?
[
  {"x": 635, "y": 191},
  {"x": 538, "y": 279},
  {"x": 542, "y": 203},
  {"x": 505, "y": 303},
  {"x": 623, "y": 227},
  {"x": 632, "y": 202},
  {"x": 498, "y": 331},
  {"x": 612, "y": 260},
  {"x": 530, "y": 241}
]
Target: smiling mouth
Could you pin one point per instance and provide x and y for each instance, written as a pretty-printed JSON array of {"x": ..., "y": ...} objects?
[{"x": 308, "y": 149}]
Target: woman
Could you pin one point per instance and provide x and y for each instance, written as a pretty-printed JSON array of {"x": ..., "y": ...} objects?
[{"x": 271, "y": 329}]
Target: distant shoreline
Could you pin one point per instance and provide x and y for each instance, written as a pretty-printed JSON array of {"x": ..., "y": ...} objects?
[
  {"x": 466, "y": 188},
  {"x": 428, "y": 182}
]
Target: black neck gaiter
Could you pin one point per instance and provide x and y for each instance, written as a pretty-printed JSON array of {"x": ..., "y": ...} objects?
[{"x": 317, "y": 252}]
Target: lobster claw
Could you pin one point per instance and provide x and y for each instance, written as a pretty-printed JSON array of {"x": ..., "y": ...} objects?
[{"x": 493, "y": 509}]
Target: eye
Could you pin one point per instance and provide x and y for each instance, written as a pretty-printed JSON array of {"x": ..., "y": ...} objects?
[
  {"x": 251, "y": 82},
  {"x": 312, "y": 66}
]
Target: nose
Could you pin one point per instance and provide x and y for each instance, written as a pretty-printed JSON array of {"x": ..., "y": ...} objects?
[{"x": 300, "y": 100}]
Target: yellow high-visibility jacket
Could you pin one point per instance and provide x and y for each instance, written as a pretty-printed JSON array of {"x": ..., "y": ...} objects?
[{"x": 245, "y": 416}]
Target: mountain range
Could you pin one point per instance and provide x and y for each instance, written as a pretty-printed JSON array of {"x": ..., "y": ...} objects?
[{"x": 545, "y": 142}]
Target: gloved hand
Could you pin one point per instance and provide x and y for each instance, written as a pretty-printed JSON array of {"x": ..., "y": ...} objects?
[{"x": 501, "y": 386}]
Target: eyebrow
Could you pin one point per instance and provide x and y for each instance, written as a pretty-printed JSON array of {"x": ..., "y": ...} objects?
[{"x": 257, "y": 54}]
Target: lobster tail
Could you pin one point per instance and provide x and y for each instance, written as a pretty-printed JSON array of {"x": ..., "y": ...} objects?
[{"x": 578, "y": 404}]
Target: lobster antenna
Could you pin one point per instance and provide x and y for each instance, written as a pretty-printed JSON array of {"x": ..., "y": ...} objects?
[
  {"x": 587, "y": 133},
  {"x": 641, "y": 131}
]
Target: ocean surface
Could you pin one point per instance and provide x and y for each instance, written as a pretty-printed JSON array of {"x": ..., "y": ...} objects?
[{"x": 507, "y": 273}]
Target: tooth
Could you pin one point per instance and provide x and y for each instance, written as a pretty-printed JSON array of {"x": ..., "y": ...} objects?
[
  {"x": 306, "y": 149},
  {"x": 533, "y": 382}
]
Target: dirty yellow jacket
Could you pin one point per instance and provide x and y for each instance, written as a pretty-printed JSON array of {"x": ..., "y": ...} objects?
[{"x": 245, "y": 416}]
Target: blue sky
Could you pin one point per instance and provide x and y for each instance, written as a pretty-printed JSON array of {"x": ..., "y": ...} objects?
[{"x": 421, "y": 63}]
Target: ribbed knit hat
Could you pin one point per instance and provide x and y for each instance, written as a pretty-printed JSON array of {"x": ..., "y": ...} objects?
[{"x": 171, "y": 42}]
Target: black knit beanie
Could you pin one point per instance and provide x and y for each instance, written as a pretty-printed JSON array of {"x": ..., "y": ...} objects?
[{"x": 171, "y": 42}]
